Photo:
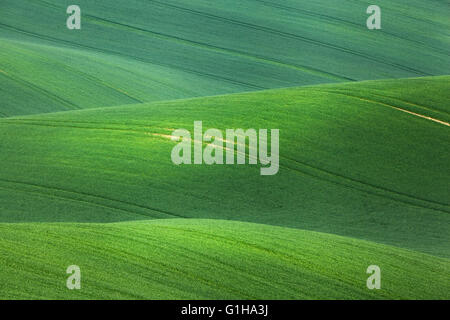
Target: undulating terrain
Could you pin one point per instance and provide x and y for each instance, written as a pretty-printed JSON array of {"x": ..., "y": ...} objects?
[{"x": 86, "y": 176}]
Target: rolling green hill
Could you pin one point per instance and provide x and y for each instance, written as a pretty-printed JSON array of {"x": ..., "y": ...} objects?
[
  {"x": 86, "y": 177},
  {"x": 206, "y": 259},
  {"x": 138, "y": 51},
  {"x": 363, "y": 160}
]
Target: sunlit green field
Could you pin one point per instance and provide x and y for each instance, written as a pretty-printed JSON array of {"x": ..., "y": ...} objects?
[
  {"x": 208, "y": 259},
  {"x": 86, "y": 176}
]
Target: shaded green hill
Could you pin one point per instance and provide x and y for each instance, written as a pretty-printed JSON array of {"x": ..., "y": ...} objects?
[
  {"x": 205, "y": 259},
  {"x": 40, "y": 78},
  {"x": 138, "y": 51},
  {"x": 366, "y": 160}
]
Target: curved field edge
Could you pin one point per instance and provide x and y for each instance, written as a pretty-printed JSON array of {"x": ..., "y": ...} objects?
[{"x": 207, "y": 259}]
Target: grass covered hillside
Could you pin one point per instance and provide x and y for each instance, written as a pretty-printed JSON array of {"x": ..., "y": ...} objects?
[
  {"x": 207, "y": 259},
  {"x": 139, "y": 51},
  {"x": 363, "y": 163},
  {"x": 88, "y": 117}
]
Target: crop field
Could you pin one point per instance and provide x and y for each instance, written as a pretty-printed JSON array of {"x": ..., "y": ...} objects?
[{"x": 87, "y": 122}]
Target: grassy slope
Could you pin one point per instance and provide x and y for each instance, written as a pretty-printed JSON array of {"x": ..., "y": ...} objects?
[
  {"x": 205, "y": 259},
  {"x": 352, "y": 163},
  {"x": 350, "y": 166},
  {"x": 38, "y": 78},
  {"x": 136, "y": 50}
]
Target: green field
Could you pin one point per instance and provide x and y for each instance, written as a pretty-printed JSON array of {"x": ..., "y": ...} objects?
[
  {"x": 112, "y": 165},
  {"x": 208, "y": 259},
  {"x": 86, "y": 176},
  {"x": 140, "y": 51}
]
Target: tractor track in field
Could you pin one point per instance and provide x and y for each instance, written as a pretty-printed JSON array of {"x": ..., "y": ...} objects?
[
  {"x": 292, "y": 36},
  {"x": 376, "y": 190},
  {"x": 229, "y": 51},
  {"x": 84, "y": 194},
  {"x": 409, "y": 199},
  {"x": 42, "y": 91},
  {"x": 395, "y": 195},
  {"x": 162, "y": 186},
  {"x": 443, "y": 112},
  {"x": 267, "y": 30},
  {"x": 90, "y": 203},
  {"x": 224, "y": 50},
  {"x": 146, "y": 126},
  {"x": 344, "y": 93},
  {"x": 347, "y": 22},
  {"x": 83, "y": 75},
  {"x": 97, "y": 80},
  {"x": 147, "y": 61}
]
